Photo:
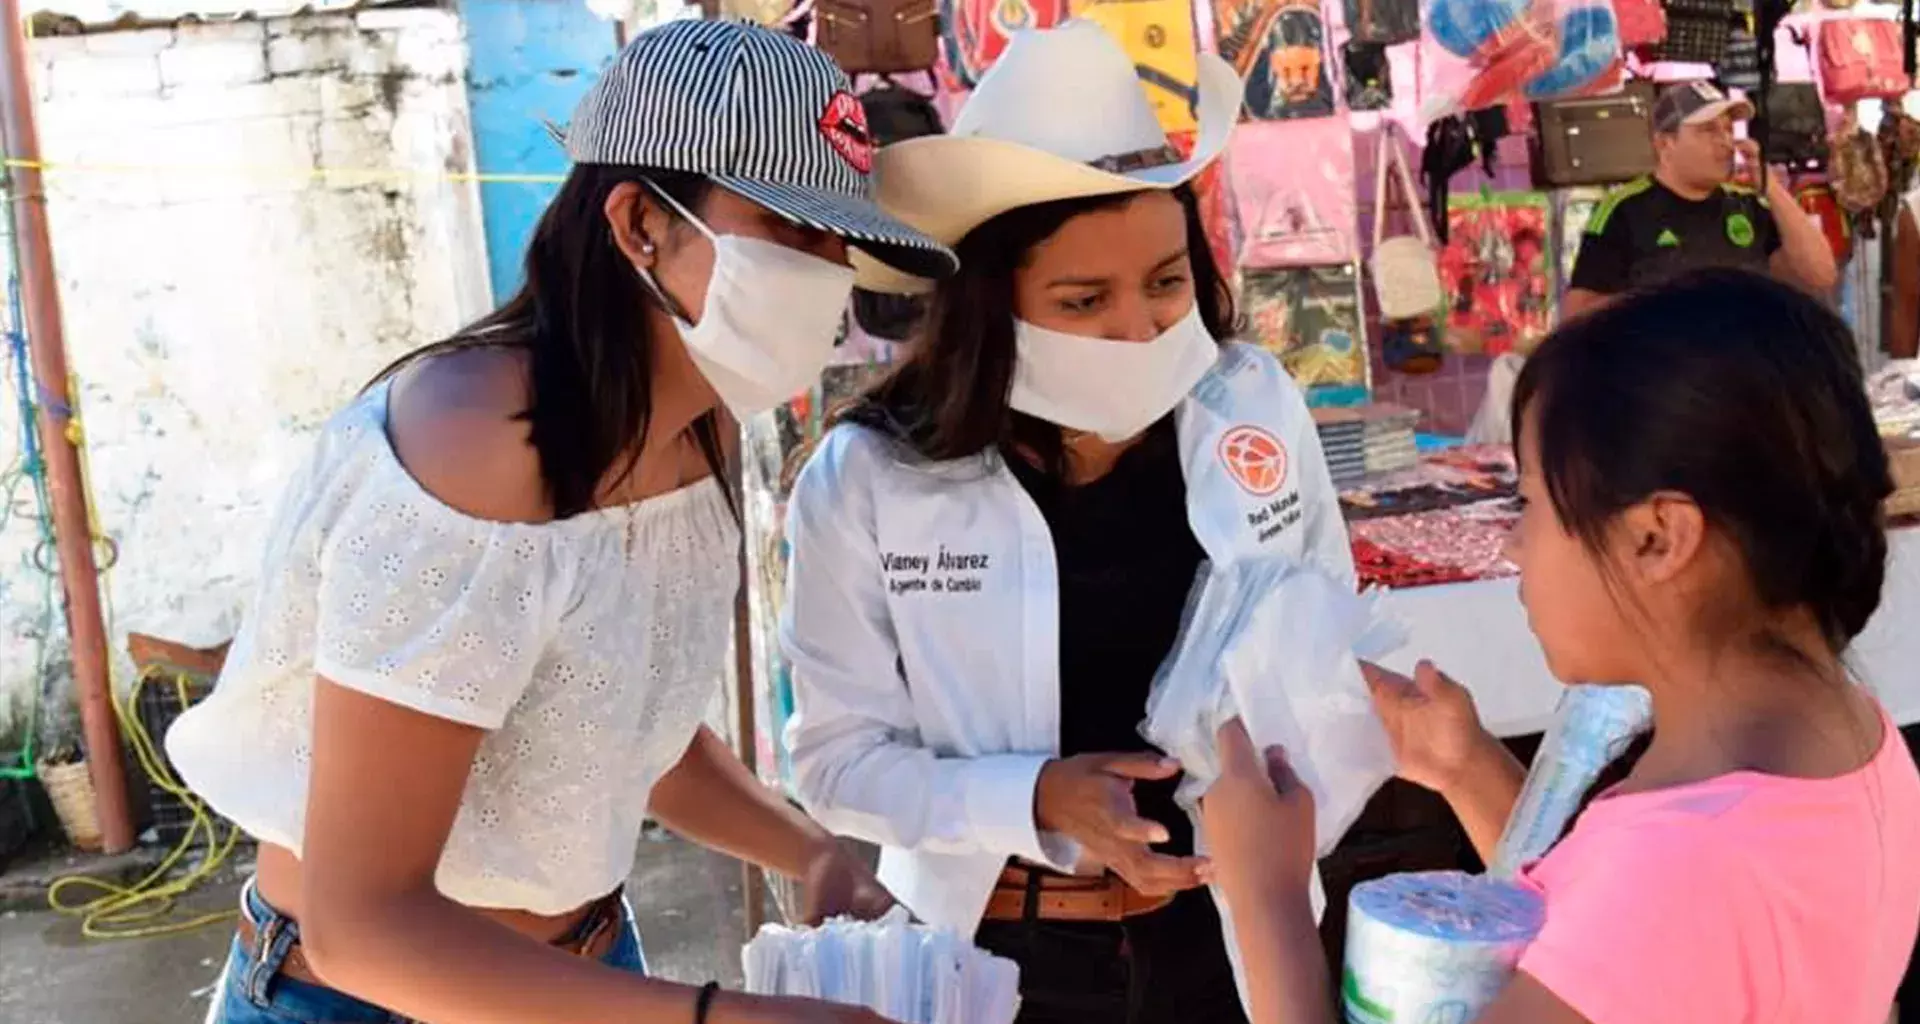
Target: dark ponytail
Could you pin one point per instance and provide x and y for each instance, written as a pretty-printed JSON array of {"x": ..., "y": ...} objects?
[{"x": 1747, "y": 396}]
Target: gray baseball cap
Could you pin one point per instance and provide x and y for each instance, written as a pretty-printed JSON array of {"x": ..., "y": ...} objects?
[{"x": 1695, "y": 103}]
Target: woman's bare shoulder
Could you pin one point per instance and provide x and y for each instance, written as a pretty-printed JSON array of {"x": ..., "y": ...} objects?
[{"x": 456, "y": 422}]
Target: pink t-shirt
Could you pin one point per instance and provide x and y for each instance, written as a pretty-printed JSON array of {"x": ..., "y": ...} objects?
[{"x": 1745, "y": 899}]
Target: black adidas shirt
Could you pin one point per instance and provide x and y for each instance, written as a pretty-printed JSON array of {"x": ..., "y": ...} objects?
[{"x": 1644, "y": 232}]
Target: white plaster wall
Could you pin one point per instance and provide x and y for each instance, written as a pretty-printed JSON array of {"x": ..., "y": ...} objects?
[{"x": 220, "y": 305}]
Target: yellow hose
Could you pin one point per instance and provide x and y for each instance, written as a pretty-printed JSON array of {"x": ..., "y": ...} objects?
[{"x": 130, "y": 911}]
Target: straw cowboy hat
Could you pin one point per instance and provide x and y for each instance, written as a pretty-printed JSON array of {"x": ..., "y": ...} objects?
[{"x": 1060, "y": 115}]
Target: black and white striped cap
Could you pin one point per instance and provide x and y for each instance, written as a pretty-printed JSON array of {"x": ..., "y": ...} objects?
[{"x": 761, "y": 114}]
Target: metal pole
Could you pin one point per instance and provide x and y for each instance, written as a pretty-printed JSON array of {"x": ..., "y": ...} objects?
[
  {"x": 73, "y": 533},
  {"x": 753, "y": 891}
]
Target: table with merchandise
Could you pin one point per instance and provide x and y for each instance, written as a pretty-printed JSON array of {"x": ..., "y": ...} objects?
[{"x": 1434, "y": 535}]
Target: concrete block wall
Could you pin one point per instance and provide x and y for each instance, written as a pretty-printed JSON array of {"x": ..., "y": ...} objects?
[{"x": 249, "y": 218}]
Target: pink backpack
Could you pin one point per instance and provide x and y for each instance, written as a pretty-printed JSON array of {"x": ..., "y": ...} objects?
[
  {"x": 1293, "y": 192},
  {"x": 1861, "y": 58}
]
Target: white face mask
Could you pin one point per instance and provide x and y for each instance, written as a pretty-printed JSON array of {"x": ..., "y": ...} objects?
[
  {"x": 770, "y": 319},
  {"x": 1115, "y": 389}
]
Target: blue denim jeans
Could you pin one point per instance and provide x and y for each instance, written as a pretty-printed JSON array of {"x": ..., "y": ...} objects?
[{"x": 252, "y": 990}]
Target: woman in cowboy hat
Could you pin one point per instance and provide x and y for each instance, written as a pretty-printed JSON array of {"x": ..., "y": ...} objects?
[
  {"x": 992, "y": 547},
  {"x": 496, "y": 600}
]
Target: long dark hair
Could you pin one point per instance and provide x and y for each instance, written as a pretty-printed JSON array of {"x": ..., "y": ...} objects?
[
  {"x": 947, "y": 398},
  {"x": 581, "y": 316},
  {"x": 1747, "y": 396}
]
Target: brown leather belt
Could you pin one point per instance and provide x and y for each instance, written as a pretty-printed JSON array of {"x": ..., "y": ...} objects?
[
  {"x": 593, "y": 937},
  {"x": 1024, "y": 893}
]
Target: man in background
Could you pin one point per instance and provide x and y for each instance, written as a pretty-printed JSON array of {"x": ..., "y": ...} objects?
[{"x": 1690, "y": 214}]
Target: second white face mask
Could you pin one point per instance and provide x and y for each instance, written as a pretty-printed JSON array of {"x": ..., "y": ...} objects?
[
  {"x": 1115, "y": 389},
  {"x": 769, "y": 322}
]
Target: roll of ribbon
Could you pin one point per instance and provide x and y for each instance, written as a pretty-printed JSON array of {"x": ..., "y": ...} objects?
[{"x": 1434, "y": 947}]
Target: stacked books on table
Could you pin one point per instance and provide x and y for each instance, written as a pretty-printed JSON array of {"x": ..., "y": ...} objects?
[
  {"x": 903, "y": 971},
  {"x": 1343, "y": 440},
  {"x": 1390, "y": 438},
  {"x": 1367, "y": 440}
]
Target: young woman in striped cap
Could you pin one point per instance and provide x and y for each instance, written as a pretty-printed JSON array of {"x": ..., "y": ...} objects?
[{"x": 496, "y": 600}]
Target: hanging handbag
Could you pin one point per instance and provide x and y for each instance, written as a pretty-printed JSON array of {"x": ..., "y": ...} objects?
[
  {"x": 1860, "y": 58},
  {"x": 1795, "y": 131},
  {"x": 1383, "y": 21},
  {"x": 1311, "y": 318},
  {"x": 1412, "y": 347},
  {"x": 878, "y": 36},
  {"x": 1406, "y": 282},
  {"x": 1306, "y": 216},
  {"x": 1283, "y": 50},
  {"x": 1369, "y": 76},
  {"x": 1497, "y": 272},
  {"x": 1697, "y": 31},
  {"x": 1600, "y": 140}
]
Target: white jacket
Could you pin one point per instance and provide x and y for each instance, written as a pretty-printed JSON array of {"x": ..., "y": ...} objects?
[{"x": 922, "y": 625}]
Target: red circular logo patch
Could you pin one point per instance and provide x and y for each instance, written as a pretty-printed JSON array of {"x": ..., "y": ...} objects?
[
  {"x": 844, "y": 123},
  {"x": 1255, "y": 459}
]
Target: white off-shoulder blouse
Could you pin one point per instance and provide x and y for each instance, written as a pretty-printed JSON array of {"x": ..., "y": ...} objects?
[{"x": 589, "y": 648}]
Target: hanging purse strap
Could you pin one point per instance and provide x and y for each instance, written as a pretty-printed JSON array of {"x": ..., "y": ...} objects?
[{"x": 1389, "y": 150}]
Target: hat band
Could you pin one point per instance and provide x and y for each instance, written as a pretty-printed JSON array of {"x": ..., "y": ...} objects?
[{"x": 1163, "y": 155}]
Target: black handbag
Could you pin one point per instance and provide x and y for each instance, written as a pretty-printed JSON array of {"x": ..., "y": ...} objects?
[
  {"x": 1368, "y": 74},
  {"x": 1793, "y": 126}
]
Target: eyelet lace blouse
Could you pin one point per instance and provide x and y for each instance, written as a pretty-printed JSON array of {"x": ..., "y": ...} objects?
[{"x": 588, "y": 647}]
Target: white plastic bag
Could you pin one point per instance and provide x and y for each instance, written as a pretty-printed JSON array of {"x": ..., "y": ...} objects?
[{"x": 1277, "y": 645}]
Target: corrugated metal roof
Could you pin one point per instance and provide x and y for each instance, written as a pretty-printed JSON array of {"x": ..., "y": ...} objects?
[{"x": 96, "y": 15}]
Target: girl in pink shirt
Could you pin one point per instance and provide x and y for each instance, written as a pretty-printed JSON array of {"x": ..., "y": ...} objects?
[{"x": 1703, "y": 484}]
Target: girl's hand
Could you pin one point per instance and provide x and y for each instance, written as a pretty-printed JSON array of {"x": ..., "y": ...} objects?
[
  {"x": 1089, "y": 799},
  {"x": 1431, "y": 722},
  {"x": 1258, "y": 818},
  {"x": 838, "y": 884}
]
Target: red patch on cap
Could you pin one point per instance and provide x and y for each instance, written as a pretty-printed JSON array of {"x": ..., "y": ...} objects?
[{"x": 844, "y": 123}]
